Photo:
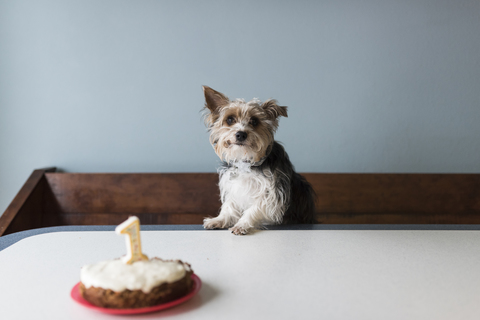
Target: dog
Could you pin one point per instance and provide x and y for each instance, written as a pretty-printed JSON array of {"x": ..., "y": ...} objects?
[{"x": 258, "y": 183}]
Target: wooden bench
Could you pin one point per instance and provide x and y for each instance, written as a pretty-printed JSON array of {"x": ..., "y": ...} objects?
[{"x": 50, "y": 198}]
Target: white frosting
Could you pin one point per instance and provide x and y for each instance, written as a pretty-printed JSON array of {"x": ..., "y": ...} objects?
[{"x": 141, "y": 275}]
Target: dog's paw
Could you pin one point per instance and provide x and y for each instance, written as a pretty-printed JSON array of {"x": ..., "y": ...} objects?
[
  {"x": 213, "y": 223},
  {"x": 239, "y": 230}
]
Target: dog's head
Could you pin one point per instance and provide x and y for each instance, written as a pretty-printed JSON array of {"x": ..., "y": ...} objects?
[{"x": 239, "y": 130}]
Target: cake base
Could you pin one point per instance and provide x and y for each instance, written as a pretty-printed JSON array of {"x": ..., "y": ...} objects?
[{"x": 128, "y": 299}]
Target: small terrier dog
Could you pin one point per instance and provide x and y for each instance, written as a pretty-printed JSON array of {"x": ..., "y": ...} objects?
[{"x": 258, "y": 184}]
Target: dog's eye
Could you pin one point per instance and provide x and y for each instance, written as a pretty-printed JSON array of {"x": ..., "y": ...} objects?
[
  {"x": 230, "y": 120},
  {"x": 254, "y": 122}
]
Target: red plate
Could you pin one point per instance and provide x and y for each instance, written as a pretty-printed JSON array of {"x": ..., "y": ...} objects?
[{"x": 75, "y": 294}]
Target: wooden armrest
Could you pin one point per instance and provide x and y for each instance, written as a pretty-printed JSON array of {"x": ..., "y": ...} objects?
[{"x": 25, "y": 201}]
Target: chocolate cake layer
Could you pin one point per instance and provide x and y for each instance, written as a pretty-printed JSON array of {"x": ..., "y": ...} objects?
[{"x": 127, "y": 299}]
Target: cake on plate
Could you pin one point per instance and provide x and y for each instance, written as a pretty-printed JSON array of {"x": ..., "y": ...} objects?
[
  {"x": 134, "y": 281},
  {"x": 143, "y": 283}
]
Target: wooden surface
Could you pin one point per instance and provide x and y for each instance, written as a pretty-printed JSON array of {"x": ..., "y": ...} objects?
[
  {"x": 170, "y": 198},
  {"x": 25, "y": 211},
  {"x": 52, "y": 199},
  {"x": 397, "y": 198}
]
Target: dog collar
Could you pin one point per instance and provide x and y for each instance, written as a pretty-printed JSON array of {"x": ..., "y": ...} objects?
[
  {"x": 259, "y": 162},
  {"x": 262, "y": 160},
  {"x": 254, "y": 164}
]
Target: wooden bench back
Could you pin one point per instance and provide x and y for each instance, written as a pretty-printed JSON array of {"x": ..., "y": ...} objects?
[
  {"x": 156, "y": 198},
  {"x": 49, "y": 198}
]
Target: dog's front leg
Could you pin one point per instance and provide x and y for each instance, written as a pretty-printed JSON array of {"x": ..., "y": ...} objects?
[
  {"x": 228, "y": 216},
  {"x": 252, "y": 218}
]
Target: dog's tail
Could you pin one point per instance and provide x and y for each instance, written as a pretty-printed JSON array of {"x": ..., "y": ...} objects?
[{"x": 302, "y": 205}]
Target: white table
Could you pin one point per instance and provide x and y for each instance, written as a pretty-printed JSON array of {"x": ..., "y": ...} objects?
[{"x": 274, "y": 274}]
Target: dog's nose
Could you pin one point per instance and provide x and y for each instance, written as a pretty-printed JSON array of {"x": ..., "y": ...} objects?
[{"x": 241, "y": 136}]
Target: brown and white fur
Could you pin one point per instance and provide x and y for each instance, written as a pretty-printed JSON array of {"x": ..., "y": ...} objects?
[{"x": 258, "y": 184}]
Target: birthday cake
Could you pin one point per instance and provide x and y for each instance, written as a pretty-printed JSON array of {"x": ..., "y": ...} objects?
[
  {"x": 144, "y": 283},
  {"x": 134, "y": 281}
]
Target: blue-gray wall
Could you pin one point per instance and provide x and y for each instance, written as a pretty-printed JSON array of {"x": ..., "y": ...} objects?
[{"x": 115, "y": 86}]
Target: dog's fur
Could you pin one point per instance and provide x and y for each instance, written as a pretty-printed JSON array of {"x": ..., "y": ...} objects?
[{"x": 258, "y": 184}]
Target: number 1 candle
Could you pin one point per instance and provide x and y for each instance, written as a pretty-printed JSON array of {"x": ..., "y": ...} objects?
[{"x": 131, "y": 229}]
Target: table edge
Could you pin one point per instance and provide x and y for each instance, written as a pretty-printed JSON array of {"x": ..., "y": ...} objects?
[{"x": 10, "y": 239}]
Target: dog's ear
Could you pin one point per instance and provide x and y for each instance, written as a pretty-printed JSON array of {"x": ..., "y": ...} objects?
[
  {"x": 273, "y": 110},
  {"x": 214, "y": 99}
]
